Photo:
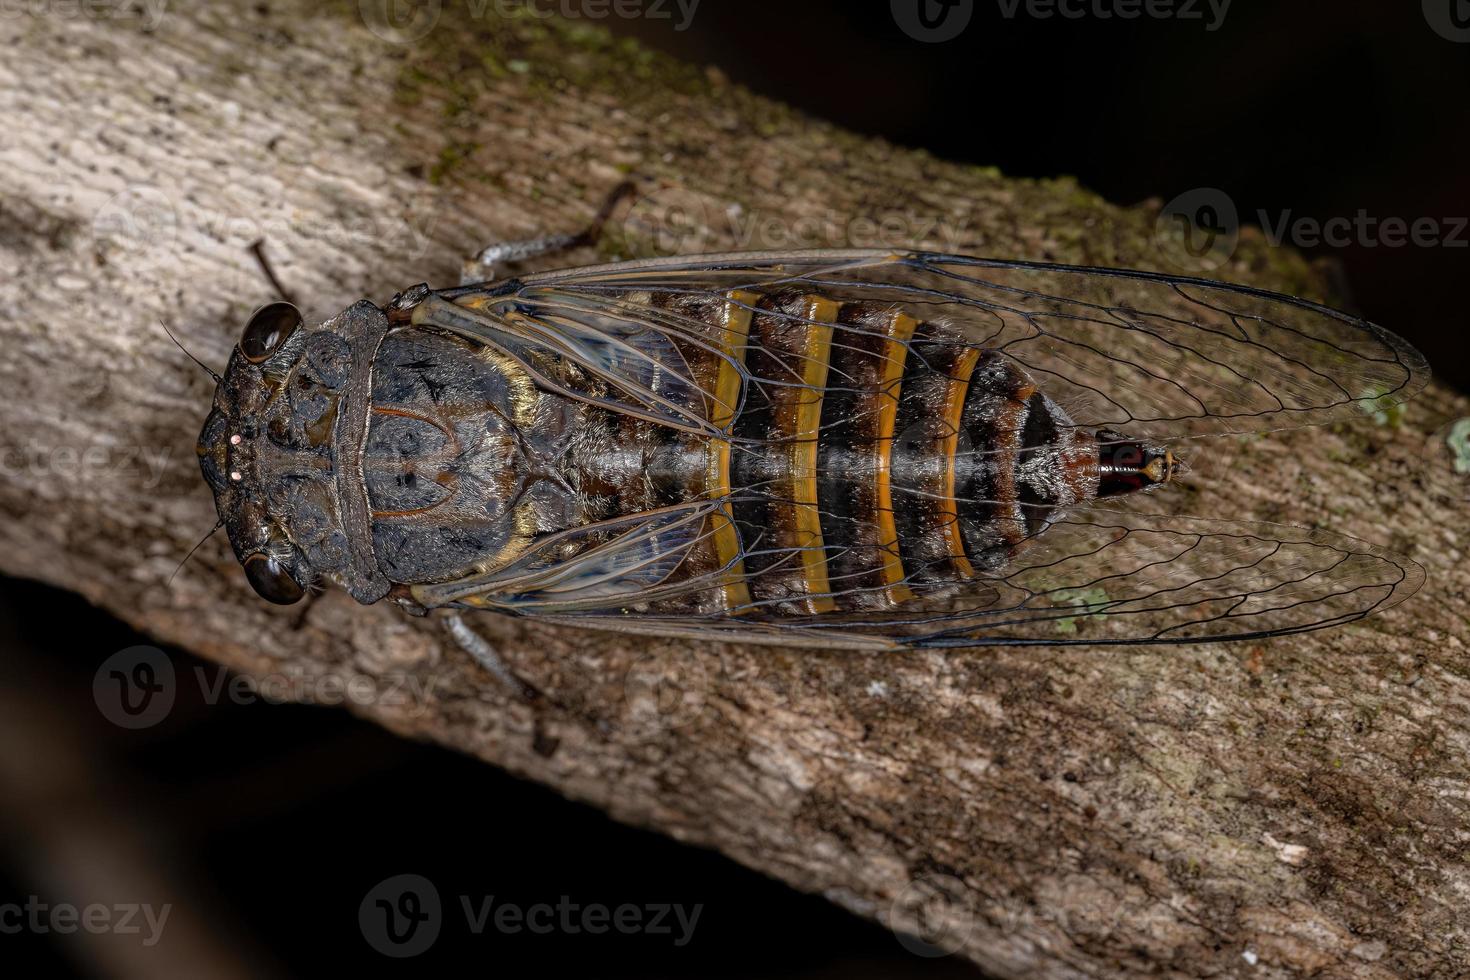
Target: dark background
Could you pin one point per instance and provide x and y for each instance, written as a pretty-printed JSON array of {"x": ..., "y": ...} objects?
[
  {"x": 1316, "y": 109},
  {"x": 275, "y": 821}
]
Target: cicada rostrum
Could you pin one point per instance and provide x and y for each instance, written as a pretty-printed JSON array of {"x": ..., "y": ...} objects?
[{"x": 834, "y": 448}]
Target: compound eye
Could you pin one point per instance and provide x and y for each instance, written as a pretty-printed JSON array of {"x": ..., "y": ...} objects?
[
  {"x": 269, "y": 578},
  {"x": 267, "y": 331}
]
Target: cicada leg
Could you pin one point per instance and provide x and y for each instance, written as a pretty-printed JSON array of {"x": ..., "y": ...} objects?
[
  {"x": 486, "y": 656},
  {"x": 482, "y": 268}
]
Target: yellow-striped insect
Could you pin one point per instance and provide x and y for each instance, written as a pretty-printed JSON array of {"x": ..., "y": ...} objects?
[{"x": 840, "y": 448}]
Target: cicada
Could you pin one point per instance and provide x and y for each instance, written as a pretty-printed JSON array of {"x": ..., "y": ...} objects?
[{"x": 856, "y": 449}]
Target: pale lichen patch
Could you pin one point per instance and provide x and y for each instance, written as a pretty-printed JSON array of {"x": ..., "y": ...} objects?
[{"x": 1293, "y": 854}]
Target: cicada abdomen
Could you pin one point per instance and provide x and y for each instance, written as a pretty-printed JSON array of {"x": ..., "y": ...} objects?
[
  {"x": 851, "y": 449},
  {"x": 876, "y": 456}
]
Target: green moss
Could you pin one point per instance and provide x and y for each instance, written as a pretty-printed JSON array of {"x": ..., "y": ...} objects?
[
  {"x": 470, "y": 44},
  {"x": 1382, "y": 407},
  {"x": 1459, "y": 442},
  {"x": 1086, "y": 600},
  {"x": 450, "y": 158}
]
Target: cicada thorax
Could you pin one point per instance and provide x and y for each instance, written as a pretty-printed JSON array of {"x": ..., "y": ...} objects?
[
  {"x": 439, "y": 460},
  {"x": 470, "y": 464}
]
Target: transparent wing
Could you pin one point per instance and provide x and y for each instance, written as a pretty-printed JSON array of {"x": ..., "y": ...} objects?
[
  {"x": 1158, "y": 356},
  {"x": 1106, "y": 577},
  {"x": 607, "y": 565}
]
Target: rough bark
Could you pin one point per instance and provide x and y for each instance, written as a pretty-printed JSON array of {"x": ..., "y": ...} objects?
[{"x": 1298, "y": 804}]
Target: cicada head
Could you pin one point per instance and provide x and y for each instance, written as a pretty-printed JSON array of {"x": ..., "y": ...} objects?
[{"x": 269, "y": 451}]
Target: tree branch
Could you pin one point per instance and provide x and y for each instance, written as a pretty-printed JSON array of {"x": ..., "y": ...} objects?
[{"x": 1299, "y": 803}]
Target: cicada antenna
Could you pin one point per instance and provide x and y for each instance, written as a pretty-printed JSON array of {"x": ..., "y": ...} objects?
[
  {"x": 258, "y": 250},
  {"x": 218, "y": 524},
  {"x": 207, "y": 369}
]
